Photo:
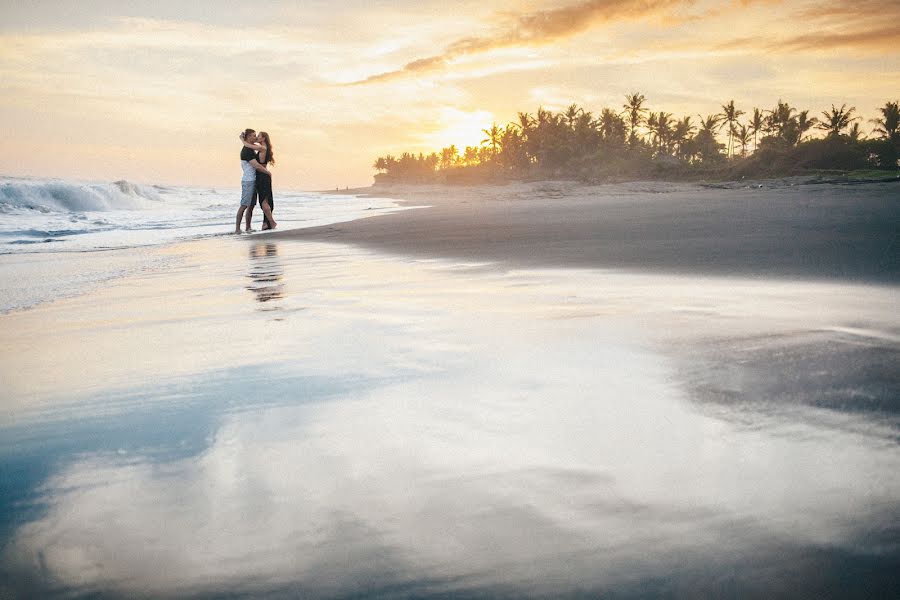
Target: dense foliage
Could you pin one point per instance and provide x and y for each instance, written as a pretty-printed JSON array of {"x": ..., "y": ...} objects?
[{"x": 636, "y": 143}]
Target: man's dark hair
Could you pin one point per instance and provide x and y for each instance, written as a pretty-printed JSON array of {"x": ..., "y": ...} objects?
[{"x": 248, "y": 131}]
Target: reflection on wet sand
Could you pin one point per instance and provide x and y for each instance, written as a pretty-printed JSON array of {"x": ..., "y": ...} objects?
[
  {"x": 458, "y": 432},
  {"x": 266, "y": 272}
]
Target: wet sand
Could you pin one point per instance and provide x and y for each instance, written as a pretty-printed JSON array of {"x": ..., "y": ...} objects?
[
  {"x": 273, "y": 416},
  {"x": 779, "y": 230}
]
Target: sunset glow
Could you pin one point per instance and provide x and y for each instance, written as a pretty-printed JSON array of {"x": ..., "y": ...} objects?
[
  {"x": 105, "y": 91},
  {"x": 459, "y": 128}
]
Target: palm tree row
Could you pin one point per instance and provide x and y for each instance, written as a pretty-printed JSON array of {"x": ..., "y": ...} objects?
[{"x": 577, "y": 140}]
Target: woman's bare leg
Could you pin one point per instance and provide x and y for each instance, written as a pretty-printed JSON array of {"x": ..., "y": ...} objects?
[{"x": 268, "y": 212}]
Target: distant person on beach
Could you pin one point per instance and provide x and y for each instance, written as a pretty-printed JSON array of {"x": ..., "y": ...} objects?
[
  {"x": 250, "y": 166},
  {"x": 265, "y": 154}
]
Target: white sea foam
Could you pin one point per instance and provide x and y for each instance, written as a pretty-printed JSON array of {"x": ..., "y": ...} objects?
[
  {"x": 72, "y": 217},
  {"x": 39, "y": 215}
]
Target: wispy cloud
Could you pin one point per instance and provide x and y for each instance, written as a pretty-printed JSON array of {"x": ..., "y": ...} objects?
[
  {"x": 885, "y": 38},
  {"x": 535, "y": 29},
  {"x": 865, "y": 25},
  {"x": 843, "y": 11}
]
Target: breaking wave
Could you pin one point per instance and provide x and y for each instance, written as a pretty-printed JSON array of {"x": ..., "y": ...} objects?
[{"x": 59, "y": 196}]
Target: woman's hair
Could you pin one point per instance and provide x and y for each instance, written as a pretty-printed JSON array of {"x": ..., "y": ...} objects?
[{"x": 270, "y": 154}]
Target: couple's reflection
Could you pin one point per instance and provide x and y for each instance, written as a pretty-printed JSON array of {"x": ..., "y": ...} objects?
[{"x": 266, "y": 273}]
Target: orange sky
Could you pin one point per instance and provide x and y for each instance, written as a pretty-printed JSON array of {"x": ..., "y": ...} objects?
[{"x": 157, "y": 91}]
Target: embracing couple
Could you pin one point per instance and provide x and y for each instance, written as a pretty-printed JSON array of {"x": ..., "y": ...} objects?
[{"x": 256, "y": 179}]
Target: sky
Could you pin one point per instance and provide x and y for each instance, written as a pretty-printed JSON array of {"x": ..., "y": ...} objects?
[{"x": 157, "y": 91}]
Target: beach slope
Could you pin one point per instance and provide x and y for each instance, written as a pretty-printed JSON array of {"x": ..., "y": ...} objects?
[{"x": 762, "y": 229}]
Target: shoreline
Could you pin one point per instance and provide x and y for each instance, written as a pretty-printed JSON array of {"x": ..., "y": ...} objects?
[
  {"x": 731, "y": 229},
  {"x": 820, "y": 177},
  {"x": 836, "y": 177},
  {"x": 47, "y": 252},
  {"x": 773, "y": 228}
]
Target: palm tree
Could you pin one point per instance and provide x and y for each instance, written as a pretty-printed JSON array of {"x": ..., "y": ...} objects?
[
  {"x": 757, "y": 121},
  {"x": 390, "y": 163},
  {"x": 493, "y": 138},
  {"x": 611, "y": 126},
  {"x": 571, "y": 115},
  {"x": 888, "y": 127},
  {"x": 681, "y": 133},
  {"x": 512, "y": 148},
  {"x": 525, "y": 122},
  {"x": 779, "y": 118},
  {"x": 470, "y": 156},
  {"x": 837, "y": 120},
  {"x": 659, "y": 125},
  {"x": 449, "y": 157},
  {"x": 804, "y": 124},
  {"x": 705, "y": 141},
  {"x": 742, "y": 134},
  {"x": 651, "y": 127},
  {"x": 711, "y": 123},
  {"x": 537, "y": 141},
  {"x": 585, "y": 132},
  {"x": 854, "y": 134},
  {"x": 432, "y": 161},
  {"x": 730, "y": 114},
  {"x": 543, "y": 116},
  {"x": 634, "y": 109}
]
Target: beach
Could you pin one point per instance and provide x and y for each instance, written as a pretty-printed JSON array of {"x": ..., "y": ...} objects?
[
  {"x": 530, "y": 390},
  {"x": 771, "y": 228}
]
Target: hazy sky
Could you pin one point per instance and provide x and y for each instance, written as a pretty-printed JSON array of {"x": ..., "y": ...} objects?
[{"x": 156, "y": 91}]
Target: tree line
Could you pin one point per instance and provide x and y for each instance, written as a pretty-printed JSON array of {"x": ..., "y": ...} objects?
[{"x": 635, "y": 142}]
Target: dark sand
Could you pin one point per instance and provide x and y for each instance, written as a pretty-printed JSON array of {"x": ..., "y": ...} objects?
[{"x": 781, "y": 229}]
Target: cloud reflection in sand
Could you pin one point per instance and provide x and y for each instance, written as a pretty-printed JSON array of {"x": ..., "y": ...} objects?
[{"x": 536, "y": 442}]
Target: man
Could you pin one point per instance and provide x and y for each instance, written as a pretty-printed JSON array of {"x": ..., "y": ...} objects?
[{"x": 249, "y": 167}]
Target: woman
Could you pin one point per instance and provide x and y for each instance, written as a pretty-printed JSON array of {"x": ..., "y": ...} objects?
[
  {"x": 264, "y": 181},
  {"x": 266, "y": 155}
]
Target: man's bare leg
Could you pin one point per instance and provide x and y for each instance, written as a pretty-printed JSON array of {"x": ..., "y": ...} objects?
[
  {"x": 250, "y": 211},
  {"x": 237, "y": 224}
]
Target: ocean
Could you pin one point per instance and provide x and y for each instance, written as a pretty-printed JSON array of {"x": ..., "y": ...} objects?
[{"x": 48, "y": 225}]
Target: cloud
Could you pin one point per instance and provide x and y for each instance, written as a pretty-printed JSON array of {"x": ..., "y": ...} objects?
[
  {"x": 534, "y": 29},
  {"x": 866, "y": 25},
  {"x": 886, "y": 38},
  {"x": 876, "y": 10}
]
